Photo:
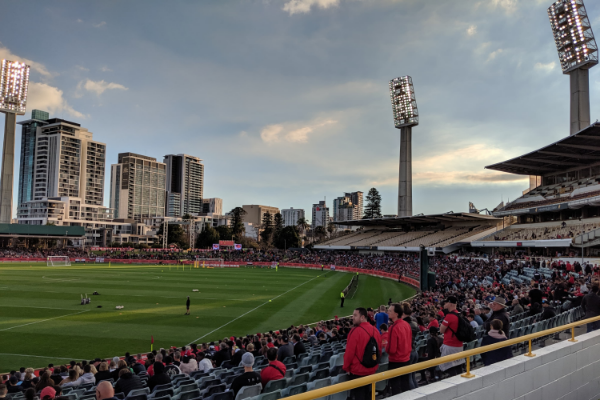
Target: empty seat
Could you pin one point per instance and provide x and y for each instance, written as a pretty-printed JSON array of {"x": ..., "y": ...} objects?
[
  {"x": 272, "y": 386},
  {"x": 249, "y": 391},
  {"x": 221, "y": 396},
  {"x": 293, "y": 390}
]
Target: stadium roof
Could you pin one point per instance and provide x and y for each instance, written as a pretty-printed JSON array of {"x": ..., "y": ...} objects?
[
  {"x": 571, "y": 153},
  {"x": 419, "y": 219}
]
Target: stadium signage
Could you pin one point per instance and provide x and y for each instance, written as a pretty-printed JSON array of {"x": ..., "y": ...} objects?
[
  {"x": 363, "y": 247},
  {"x": 226, "y": 243}
]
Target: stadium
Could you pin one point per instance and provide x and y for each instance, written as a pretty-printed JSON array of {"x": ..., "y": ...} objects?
[{"x": 504, "y": 304}]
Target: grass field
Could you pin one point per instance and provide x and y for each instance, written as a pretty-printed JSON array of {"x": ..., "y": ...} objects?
[{"x": 42, "y": 321}]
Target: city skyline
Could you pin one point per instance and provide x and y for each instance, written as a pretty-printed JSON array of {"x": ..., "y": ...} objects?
[{"x": 495, "y": 97}]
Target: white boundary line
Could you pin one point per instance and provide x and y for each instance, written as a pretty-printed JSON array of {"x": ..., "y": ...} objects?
[
  {"x": 28, "y": 355},
  {"x": 48, "y": 308},
  {"x": 256, "y": 308},
  {"x": 44, "y": 320}
]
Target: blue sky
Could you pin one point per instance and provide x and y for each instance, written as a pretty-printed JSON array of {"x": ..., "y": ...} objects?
[{"x": 287, "y": 101}]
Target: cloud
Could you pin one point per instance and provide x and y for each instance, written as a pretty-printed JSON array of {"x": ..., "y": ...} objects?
[
  {"x": 295, "y": 132},
  {"x": 545, "y": 67},
  {"x": 79, "y": 67},
  {"x": 99, "y": 25},
  {"x": 304, "y": 6},
  {"x": 509, "y": 6},
  {"x": 5, "y": 53},
  {"x": 105, "y": 69},
  {"x": 472, "y": 30},
  {"x": 494, "y": 54},
  {"x": 99, "y": 87},
  {"x": 79, "y": 20},
  {"x": 48, "y": 98}
]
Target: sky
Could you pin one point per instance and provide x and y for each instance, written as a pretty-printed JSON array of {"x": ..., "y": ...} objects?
[{"x": 287, "y": 101}]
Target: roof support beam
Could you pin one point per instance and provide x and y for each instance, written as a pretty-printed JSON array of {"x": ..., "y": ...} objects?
[
  {"x": 569, "y": 155},
  {"x": 527, "y": 166},
  {"x": 579, "y": 146},
  {"x": 589, "y": 137},
  {"x": 549, "y": 161}
]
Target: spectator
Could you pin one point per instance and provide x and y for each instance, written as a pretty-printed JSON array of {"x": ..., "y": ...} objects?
[
  {"x": 495, "y": 335},
  {"x": 158, "y": 358},
  {"x": 236, "y": 358},
  {"x": 358, "y": 338},
  {"x": 71, "y": 379},
  {"x": 138, "y": 365},
  {"x": 471, "y": 318},
  {"x": 177, "y": 359},
  {"x": 159, "y": 377},
  {"x": 30, "y": 394},
  {"x": 248, "y": 378},
  {"x": 27, "y": 380},
  {"x": 399, "y": 346},
  {"x": 204, "y": 364},
  {"x": 381, "y": 317},
  {"x": 517, "y": 307},
  {"x": 274, "y": 371},
  {"x": 87, "y": 376},
  {"x": 499, "y": 312},
  {"x": 188, "y": 365},
  {"x": 127, "y": 382},
  {"x": 298, "y": 345},
  {"x": 3, "y": 391},
  {"x": 48, "y": 393},
  {"x": 535, "y": 294},
  {"x": 103, "y": 373},
  {"x": 121, "y": 364},
  {"x": 433, "y": 322},
  {"x": 222, "y": 355},
  {"x": 433, "y": 351},
  {"x": 105, "y": 391},
  {"x": 591, "y": 305},
  {"x": 549, "y": 311},
  {"x": 170, "y": 368},
  {"x": 12, "y": 385},
  {"x": 451, "y": 344},
  {"x": 45, "y": 381},
  {"x": 286, "y": 349},
  {"x": 384, "y": 337}
]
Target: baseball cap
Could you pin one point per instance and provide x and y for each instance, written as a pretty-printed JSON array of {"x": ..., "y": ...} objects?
[
  {"x": 48, "y": 391},
  {"x": 451, "y": 300},
  {"x": 247, "y": 359}
]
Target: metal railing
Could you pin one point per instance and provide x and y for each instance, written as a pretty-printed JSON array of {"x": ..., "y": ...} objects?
[{"x": 467, "y": 354}]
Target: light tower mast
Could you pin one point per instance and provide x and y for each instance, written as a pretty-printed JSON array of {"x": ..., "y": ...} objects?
[
  {"x": 577, "y": 52},
  {"x": 406, "y": 115},
  {"x": 14, "y": 82}
]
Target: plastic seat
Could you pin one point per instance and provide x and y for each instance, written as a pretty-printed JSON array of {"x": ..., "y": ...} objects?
[
  {"x": 186, "y": 388},
  {"x": 313, "y": 359},
  {"x": 229, "y": 380},
  {"x": 209, "y": 382},
  {"x": 303, "y": 370},
  {"x": 195, "y": 375},
  {"x": 137, "y": 397},
  {"x": 249, "y": 391},
  {"x": 318, "y": 384},
  {"x": 135, "y": 392},
  {"x": 381, "y": 385},
  {"x": 298, "y": 380},
  {"x": 188, "y": 395},
  {"x": 319, "y": 374},
  {"x": 289, "y": 360},
  {"x": 214, "y": 389},
  {"x": 294, "y": 390},
  {"x": 276, "y": 395},
  {"x": 272, "y": 386},
  {"x": 161, "y": 393},
  {"x": 221, "y": 396},
  {"x": 167, "y": 397}
]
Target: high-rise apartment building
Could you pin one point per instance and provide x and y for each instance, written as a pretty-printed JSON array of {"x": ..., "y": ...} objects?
[
  {"x": 320, "y": 214},
  {"x": 185, "y": 185},
  {"x": 67, "y": 163},
  {"x": 212, "y": 206},
  {"x": 291, "y": 216},
  {"x": 348, "y": 207},
  {"x": 357, "y": 199},
  {"x": 137, "y": 187},
  {"x": 254, "y": 213},
  {"x": 29, "y": 130}
]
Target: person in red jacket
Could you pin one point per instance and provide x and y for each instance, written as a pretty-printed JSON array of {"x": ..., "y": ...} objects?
[
  {"x": 274, "y": 371},
  {"x": 399, "y": 346},
  {"x": 358, "y": 338}
]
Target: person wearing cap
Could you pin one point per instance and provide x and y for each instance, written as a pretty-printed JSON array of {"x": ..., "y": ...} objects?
[
  {"x": 498, "y": 312},
  {"x": 274, "y": 371},
  {"x": 285, "y": 350},
  {"x": 248, "y": 378},
  {"x": 48, "y": 393},
  {"x": 451, "y": 344}
]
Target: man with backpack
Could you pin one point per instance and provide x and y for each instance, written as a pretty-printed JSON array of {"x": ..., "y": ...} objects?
[
  {"x": 399, "y": 348},
  {"x": 363, "y": 352},
  {"x": 456, "y": 330}
]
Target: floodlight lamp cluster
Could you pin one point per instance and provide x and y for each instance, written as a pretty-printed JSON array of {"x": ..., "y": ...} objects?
[
  {"x": 573, "y": 35},
  {"x": 404, "y": 104},
  {"x": 14, "y": 83}
]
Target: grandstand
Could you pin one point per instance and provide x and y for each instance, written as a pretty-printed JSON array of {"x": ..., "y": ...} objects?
[{"x": 444, "y": 232}]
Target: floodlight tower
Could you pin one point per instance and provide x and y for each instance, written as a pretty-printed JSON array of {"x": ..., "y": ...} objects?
[
  {"x": 406, "y": 115},
  {"x": 577, "y": 52},
  {"x": 14, "y": 82}
]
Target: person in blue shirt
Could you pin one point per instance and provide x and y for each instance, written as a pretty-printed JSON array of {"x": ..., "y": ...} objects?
[{"x": 381, "y": 317}]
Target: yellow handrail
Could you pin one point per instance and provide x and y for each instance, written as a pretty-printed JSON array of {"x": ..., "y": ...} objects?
[{"x": 373, "y": 379}]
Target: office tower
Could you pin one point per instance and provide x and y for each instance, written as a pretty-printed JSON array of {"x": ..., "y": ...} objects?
[
  {"x": 212, "y": 206},
  {"x": 29, "y": 129},
  {"x": 137, "y": 187},
  {"x": 291, "y": 216},
  {"x": 357, "y": 199},
  {"x": 320, "y": 214},
  {"x": 14, "y": 83},
  {"x": 344, "y": 208},
  {"x": 68, "y": 162},
  {"x": 185, "y": 185},
  {"x": 254, "y": 213}
]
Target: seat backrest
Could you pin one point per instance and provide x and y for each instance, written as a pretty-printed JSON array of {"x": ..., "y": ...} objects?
[
  {"x": 297, "y": 389},
  {"x": 321, "y": 373},
  {"x": 276, "y": 395},
  {"x": 299, "y": 379},
  {"x": 137, "y": 397},
  {"x": 162, "y": 398},
  {"x": 163, "y": 387},
  {"x": 190, "y": 395},
  {"x": 320, "y": 383},
  {"x": 163, "y": 392},
  {"x": 214, "y": 389},
  {"x": 209, "y": 382},
  {"x": 221, "y": 396},
  {"x": 275, "y": 385},
  {"x": 303, "y": 370},
  {"x": 135, "y": 392},
  {"x": 187, "y": 387},
  {"x": 249, "y": 391}
]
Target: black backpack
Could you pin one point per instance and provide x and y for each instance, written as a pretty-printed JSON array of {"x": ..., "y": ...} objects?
[
  {"x": 371, "y": 355},
  {"x": 465, "y": 332}
]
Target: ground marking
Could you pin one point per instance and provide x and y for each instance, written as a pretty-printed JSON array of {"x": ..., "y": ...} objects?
[
  {"x": 61, "y": 279},
  {"x": 29, "y": 355},
  {"x": 44, "y": 320},
  {"x": 49, "y": 308},
  {"x": 256, "y": 308}
]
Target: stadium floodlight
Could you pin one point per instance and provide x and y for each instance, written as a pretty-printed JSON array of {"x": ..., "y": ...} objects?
[
  {"x": 14, "y": 82},
  {"x": 404, "y": 104},
  {"x": 573, "y": 35}
]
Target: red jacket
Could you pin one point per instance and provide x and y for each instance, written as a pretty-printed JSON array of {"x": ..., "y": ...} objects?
[
  {"x": 400, "y": 341},
  {"x": 355, "y": 349},
  {"x": 270, "y": 373}
]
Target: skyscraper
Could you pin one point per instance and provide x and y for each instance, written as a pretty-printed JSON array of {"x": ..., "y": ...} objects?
[
  {"x": 291, "y": 216},
  {"x": 320, "y": 214},
  {"x": 68, "y": 163},
  {"x": 29, "y": 130},
  {"x": 212, "y": 206},
  {"x": 137, "y": 187},
  {"x": 184, "y": 184}
]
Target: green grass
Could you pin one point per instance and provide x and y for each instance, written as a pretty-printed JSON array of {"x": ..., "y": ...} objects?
[{"x": 41, "y": 320}]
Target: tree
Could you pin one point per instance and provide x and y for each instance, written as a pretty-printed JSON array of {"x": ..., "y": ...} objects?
[
  {"x": 225, "y": 232},
  {"x": 267, "y": 229},
  {"x": 207, "y": 237},
  {"x": 176, "y": 235},
  {"x": 373, "y": 207},
  {"x": 278, "y": 222},
  {"x": 237, "y": 224},
  {"x": 288, "y": 237},
  {"x": 320, "y": 232},
  {"x": 302, "y": 225},
  {"x": 331, "y": 227}
]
